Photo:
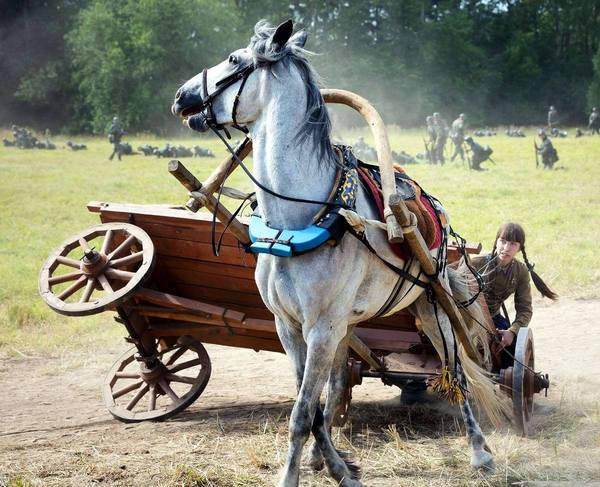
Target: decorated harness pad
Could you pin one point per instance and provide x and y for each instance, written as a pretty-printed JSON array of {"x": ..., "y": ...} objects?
[{"x": 330, "y": 226}]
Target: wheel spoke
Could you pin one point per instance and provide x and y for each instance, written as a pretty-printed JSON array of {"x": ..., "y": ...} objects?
[
  {"x": 181, "y": 378},
  {"x": 76, "y": 286},
  {"x": 71, "y": 276},
  {"x": 89, "y": 289},
  {"x": 170, "y": 392},
  {"x": 68, "y": 261},
  {"x": 152, "y": 398},
  {"x": 135, "y": 399},
  {"x": 125, "y": 390},
  {"x": 83, "y": 243},
  {"x": 104, "y": 283},
  {"x": 185, "y": 365},
  {"x": 121, "y": 248},
  {"x": 107, "y": 241},
  {"x": 178, "y": 353},
  {"x": 130, "y": 259},
  {"x": 119, "y": 275},
  {"x": 127, "y": 375}
]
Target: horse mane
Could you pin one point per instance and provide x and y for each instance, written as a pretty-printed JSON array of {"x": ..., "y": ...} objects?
[{"x": 317, "y": 124}]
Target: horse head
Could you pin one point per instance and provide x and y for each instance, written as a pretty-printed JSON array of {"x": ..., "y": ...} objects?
[{"x": 230, "y": 93}]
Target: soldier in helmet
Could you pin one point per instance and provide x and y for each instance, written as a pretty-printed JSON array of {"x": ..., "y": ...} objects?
[
  {"x": 552, "y": 118},
  {"x": 441, "y": 135},
  {"x": 479, "y": 153},
  {"x": 115, "y": 134},
  {"x": 547, "y": 150},
  {"x": 457, "y": 134},
  {"x": 594, "y": 121}
]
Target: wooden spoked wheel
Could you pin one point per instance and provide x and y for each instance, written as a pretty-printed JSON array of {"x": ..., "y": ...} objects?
[
  {"x": 96, "y": 269},
  {"x": 134, "y": 393},
  {"x": 520, "y": 381}
]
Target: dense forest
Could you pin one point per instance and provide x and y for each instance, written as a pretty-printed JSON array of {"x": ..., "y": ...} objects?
[{"x": 70, "y": 65}]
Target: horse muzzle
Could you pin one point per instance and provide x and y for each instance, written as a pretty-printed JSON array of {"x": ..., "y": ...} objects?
[{"x": 199, "y": 122}]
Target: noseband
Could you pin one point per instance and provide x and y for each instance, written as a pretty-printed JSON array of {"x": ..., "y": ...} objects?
[{"x": 207, "y": 99}]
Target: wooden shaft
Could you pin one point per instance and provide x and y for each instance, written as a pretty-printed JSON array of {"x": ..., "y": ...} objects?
[
  {"x": 191, "y": 183},
  {"x": 223, "y": 170},
  {"x": 419, "y": 249},
  {"x": 218, "y": 176},
  {"x": 365, "y": 353},
  {"x": 382, "y": 146}
]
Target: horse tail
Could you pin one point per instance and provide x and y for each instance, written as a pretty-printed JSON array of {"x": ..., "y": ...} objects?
[
  {"x": 482, "y": 388},
  {"x": 480, "y": 385}
]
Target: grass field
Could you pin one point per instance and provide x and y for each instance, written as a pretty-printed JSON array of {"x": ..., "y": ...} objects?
[{"x": 44, "y": 196}]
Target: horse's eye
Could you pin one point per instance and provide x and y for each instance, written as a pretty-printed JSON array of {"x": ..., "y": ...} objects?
[{"x": 233, "y": 59}]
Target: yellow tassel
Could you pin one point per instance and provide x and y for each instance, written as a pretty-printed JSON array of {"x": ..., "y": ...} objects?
[{"x": 448, "y": 387}]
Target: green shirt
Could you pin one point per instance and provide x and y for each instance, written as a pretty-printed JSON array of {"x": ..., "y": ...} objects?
[{"x": 501, "y": 282}]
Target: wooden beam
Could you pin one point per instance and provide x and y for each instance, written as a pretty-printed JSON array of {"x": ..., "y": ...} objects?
[
  {"x": 191, "y": 183},
  {"x": 413, "y": 237}
]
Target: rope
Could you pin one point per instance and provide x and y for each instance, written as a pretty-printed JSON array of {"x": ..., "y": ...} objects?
[{"x": 359, "y": 223}]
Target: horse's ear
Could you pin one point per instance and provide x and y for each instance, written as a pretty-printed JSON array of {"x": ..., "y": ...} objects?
[
  {"x": 283, "y": 33},
  {"x": 299, "y": 38}
]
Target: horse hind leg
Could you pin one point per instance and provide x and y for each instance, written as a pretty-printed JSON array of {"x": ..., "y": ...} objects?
[
  {"x": 481, "y": 454},
  {"x": 439, "y": 329},
  {"x": 322, "y": 344}
]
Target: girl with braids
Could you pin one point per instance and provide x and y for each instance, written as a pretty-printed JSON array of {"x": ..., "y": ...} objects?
[{"x": 503, "y": 275}]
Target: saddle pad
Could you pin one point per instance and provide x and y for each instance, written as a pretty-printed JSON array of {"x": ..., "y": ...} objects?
[{"x": 427, "y": 219}]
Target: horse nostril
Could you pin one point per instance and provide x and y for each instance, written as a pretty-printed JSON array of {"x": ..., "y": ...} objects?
[{"x": 178, "y": 94}]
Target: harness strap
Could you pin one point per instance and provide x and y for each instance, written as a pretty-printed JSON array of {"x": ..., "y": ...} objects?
[{"x": 397, "y": 270}]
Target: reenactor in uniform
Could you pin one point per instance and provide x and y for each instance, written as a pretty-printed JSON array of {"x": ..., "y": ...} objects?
[
  {"x": 594, "y": 121},
  {"x": 115, "y": 134},
  {"x": 552, "y": 118},
  {"x": 441, "y": 135},
  {"x": 546, "y": 150},
  {"x": 431, "y": 137},
  {"x": 457, "y": 134},
  {"x": 479, "y": 153}
]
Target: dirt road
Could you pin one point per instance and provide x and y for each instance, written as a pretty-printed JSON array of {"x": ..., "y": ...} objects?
[{"x": 55, "y": 430}]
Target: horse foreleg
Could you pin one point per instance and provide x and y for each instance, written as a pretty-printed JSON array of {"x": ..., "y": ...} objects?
[
  {"x": 336, "y": 390},
  {"x": 481, "y": 455},
  {"x": 322, "y": 343}
]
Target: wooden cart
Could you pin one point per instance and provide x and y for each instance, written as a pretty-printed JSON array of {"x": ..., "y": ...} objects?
[{"x": 154, "y": 267}]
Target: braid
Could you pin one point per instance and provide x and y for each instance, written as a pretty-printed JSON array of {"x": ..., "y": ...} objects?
[{"x": 537, "y": 280}]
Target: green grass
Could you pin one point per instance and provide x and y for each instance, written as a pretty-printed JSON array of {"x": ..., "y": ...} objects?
[{"x": 44, "y": 196}]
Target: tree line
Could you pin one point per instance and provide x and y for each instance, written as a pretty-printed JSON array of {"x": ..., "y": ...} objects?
[{"x": 71, "y": 65}]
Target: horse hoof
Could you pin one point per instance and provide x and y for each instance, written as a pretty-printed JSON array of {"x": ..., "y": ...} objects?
[
  {"x": 315, "y": 460},
  {"x": 483, "y": 461},
  {"x": 351, "y": 483}
]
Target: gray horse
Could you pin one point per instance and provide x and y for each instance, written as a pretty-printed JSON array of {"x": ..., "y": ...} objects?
[{"x": 318, "y": 297}]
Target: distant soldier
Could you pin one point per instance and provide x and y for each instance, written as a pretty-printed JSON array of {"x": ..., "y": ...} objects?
[
  {"x": 441, "y": 135},
  {"x": 430, "y": 140},
  {"x": 115, "y": 134},
  {"x": 594, "y": 121},
  {"x": 457, "y": 134},
  {"x": 546, "y": 150},
  {"x": 552, "y": 118},
  {"x": 479, "y": 153}
]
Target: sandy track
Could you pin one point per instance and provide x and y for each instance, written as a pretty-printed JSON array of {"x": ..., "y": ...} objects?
[{"x": 53, "y": 417}]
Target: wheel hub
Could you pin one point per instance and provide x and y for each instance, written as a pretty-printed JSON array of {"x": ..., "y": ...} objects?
[
  {"x": 152, "y": 375},
  {"x": 93, "y": 262}
]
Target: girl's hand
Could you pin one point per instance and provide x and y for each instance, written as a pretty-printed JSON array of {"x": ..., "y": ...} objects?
[{"x": 507, "y": 337}]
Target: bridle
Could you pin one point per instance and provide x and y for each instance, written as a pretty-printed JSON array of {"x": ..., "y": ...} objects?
[
  {"x": 207, "y": 99},
  {"x": 210, "y": 120}
]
